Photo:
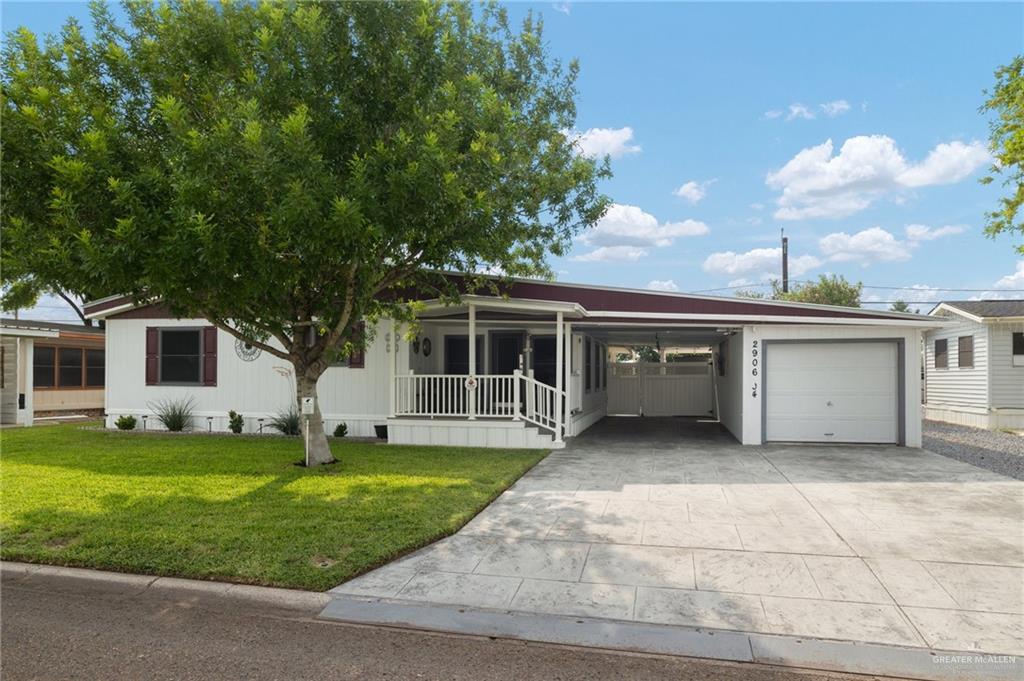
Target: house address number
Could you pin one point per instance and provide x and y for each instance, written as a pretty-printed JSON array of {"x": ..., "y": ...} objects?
[{"x": 754, "y": 361}]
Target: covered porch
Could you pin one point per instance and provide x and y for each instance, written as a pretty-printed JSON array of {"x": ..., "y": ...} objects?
[{"x": 537, "y": 373}]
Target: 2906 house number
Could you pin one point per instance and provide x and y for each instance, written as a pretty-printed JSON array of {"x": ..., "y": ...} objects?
[{"x": 753, "y": 366}]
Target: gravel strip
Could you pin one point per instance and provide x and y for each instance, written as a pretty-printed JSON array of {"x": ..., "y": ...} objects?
[{"x": 992, "y": 450}]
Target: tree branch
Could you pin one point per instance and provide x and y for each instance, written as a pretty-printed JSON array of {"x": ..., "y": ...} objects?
[
  {"x": 74, "y": 306},
  {"x": 221, "y": 324}
]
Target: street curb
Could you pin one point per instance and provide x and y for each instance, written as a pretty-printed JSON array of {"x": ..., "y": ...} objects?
[
  {"x": 134, "y": 585},
  {"x": 640, "y": 637}
]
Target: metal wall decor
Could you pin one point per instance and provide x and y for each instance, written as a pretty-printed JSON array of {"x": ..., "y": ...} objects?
[
  {"x": 246, "y": 351},
  {"x": 426, "y": 347}
]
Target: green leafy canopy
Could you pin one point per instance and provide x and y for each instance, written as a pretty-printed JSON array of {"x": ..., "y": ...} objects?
[
  {"x": 1006, "y": 142},
  {"x": 279, "y": 166}
]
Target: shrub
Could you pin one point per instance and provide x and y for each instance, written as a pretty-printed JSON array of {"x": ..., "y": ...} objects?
[
  {"x": 125, "y": 422},
  {"x": 287, "y": 422},
  {"x": 175, "y": 415},
  {"x": 235, "y": 421},
  {"x": 341, "y": 430}
]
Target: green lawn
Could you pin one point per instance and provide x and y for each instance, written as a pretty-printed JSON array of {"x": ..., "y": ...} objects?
[{"x": 234, "y": 508}]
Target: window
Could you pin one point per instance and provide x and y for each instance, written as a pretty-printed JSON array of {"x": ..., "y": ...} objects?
[
  {"x": 1018, "y": 348},
  {"x": 588, "y": 366},
  {"x": 965, "y": 352},
  {"x": 67, "y": 367},
  {"x": 180, "y": 356},
  {"x": 44, "y": 366},
  {"x": 95, "y": 363},
  {"x": 941, "y": 353}
]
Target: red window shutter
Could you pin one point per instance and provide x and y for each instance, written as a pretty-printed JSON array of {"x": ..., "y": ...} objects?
[
  {"x": 209, "y": 355},
  {"x": 357, "y": 360},
  {"x": 152, "y": 355}
]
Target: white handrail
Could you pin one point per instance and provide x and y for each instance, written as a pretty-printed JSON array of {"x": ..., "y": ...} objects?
[{"x": 514, "y": 396}]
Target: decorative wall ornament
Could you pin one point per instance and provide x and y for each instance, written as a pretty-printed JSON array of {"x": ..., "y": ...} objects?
[
  {"x": 416, "y": 346},
  {"x": 246, "y": 351},
  {"x": 426, "y": 347}
]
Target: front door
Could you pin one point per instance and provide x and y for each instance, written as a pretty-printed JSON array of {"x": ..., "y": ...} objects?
[
  {"x": 544, "y": 356},
  {"x": 505, "y": 351}
]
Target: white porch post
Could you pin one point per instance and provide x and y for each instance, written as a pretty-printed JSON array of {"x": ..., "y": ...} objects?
[
  {"x": 27, "y": 345},
  {"x": 559, "y": 375},
  {"x": 393, "y": 370},
  {"x": 470, "y": 394},
  {"x": 568, "y": 379}
]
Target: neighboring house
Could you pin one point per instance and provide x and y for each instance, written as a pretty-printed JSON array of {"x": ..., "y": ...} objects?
[
  {"x": 49, "y": 368},
  {"x": 538, "y": 370},
  {"x": 974, "y": 366}
]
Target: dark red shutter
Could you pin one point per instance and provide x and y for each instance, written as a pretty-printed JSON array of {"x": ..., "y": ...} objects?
[
  {"x": 209, "y": 355},
  {"x": 357, "y": 360},
  {"x": 152, "y": 355}
]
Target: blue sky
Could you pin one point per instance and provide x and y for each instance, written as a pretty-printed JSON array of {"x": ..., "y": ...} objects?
[{"x": 853, "y": 126}]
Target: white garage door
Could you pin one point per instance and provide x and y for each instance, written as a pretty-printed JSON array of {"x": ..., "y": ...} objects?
[{"x": 831, "y": 392}]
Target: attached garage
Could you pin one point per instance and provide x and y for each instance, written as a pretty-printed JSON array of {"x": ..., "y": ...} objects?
[{"x": 833, "y": 391}]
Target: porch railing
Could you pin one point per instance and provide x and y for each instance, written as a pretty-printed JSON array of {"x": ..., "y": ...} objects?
[{"x": 515, "y": 396}]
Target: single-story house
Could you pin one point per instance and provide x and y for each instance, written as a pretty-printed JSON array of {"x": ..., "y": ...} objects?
[
  {"x": 538, "y": 370},
  {"x": 49, "y": 368},
  {"x": 974, "y": 365}
]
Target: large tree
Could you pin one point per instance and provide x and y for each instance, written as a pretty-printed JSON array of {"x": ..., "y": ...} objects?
[
  {"x": 286, "y": 170},
  {"x": 1006, "y": 142}
]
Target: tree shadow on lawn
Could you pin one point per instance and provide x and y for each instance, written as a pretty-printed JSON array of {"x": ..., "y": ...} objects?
[{"x": 303, "y": 528}]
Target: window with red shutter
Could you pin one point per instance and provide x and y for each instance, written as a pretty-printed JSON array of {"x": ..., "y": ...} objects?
[
  {"x": 152, "y": 355},
  {"x": 357, "y": 360},
  {"x": 210, "y": 355}
]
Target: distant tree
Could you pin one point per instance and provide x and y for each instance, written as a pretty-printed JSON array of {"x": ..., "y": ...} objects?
[
  {"x": 830, "y": 289},
  {"x": 899, "y": 306},
  {"x": 639, "y": 353},
  {"x": 286, "y": 170},
  {"x": 827, "y": 290},
  {"x": 1006, "y": 143}
]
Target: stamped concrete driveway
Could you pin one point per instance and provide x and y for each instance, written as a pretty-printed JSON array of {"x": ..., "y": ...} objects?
[{"x": 672, "y": 522}]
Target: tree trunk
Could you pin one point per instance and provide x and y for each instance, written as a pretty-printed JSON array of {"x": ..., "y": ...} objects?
[{"x": 319, "y": 451}]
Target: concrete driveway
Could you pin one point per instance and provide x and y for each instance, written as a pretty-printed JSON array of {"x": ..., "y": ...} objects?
[{"x": 668, "y": 521}]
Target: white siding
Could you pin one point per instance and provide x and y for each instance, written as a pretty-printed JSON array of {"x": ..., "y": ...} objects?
[
  {"x": 730, "y": 386},
  {"x": 257, "y": 389},
  {"x": 1006, "y": 382},
  {"x": 955, "y": 385},
  {"x": 9, "y": 392}
]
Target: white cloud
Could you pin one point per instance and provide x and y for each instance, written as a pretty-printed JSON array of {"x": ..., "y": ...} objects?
[
  {"x": 612, "y": 254},
  {"x": 772, "y": 114},
  {"x": 662, "y": 285},
  {"x": 864, "y": 247},
  {"x": 1015, "y": 280},
  {"x": 626, "y": 233},
  {"x": 600, "y": 142},
  {"x": 694, "y": 191},
  {"x": 757, "y": 206},
  {"x": 947, "y": 163},
  {"x": 563, "y": 7},
  {"x": 819, "y": 184},
  {"x": 754, "y": 221},
  {"x": 799, "y": 111},
  {"x": 764, "y": 263},
  {"x": 919, "y": 233},
  {"x": 835, "y": 108}
]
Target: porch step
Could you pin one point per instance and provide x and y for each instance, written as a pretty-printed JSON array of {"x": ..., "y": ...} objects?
[{"x": 502, "y": 433}]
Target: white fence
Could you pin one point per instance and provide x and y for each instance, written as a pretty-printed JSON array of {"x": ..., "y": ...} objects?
[{"x": 660, "y": 388}]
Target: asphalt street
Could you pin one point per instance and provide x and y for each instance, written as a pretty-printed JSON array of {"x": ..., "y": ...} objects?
[{"x": 61, "y": 627}]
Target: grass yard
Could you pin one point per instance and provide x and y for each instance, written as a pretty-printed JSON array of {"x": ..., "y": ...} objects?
[{"x": 234, "y": 508}]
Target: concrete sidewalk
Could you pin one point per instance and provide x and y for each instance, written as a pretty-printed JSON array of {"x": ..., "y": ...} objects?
[{"x": 63, "y": 623}]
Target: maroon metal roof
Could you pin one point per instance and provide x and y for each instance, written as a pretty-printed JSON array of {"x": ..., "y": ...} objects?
[{"x": 604, "y": 299}]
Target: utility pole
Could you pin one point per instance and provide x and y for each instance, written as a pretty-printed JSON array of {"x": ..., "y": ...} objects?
[{"x": 785, "y": 262}]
